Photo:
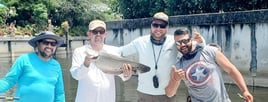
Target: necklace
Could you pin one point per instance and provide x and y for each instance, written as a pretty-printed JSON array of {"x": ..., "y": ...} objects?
[{"x": 156, "y": 59}]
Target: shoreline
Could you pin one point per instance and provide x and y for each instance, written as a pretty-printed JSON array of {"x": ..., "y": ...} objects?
[{"x": 260, "y": 80}]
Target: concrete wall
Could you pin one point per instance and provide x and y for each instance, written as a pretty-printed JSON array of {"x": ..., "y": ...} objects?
[{"x": 241, "y": 35}]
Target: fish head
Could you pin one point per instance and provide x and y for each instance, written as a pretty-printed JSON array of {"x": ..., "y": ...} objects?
[{"x": 92, "y": 53}]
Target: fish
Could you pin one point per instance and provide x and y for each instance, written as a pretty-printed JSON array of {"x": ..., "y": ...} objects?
[{"x": 112, "y": 64}]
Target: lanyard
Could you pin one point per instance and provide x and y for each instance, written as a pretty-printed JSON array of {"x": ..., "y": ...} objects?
[{"x": 157, "y": 59}]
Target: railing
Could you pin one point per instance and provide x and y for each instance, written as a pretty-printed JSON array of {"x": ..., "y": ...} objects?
[
  {"x": 8, "y": 98},
  {"x": 9, "y": 41}
]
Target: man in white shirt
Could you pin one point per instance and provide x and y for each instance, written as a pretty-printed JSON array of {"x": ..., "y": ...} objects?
[{"x": 93, "y": 84}]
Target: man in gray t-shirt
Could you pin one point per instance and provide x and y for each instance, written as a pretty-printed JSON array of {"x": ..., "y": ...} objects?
[{"x": 199, "y": 68}]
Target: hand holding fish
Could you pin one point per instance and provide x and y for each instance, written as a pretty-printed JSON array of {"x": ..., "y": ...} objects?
[
  {"x": 114, "y": 64},
  {"x": 89, "y": 57},
  {"x": 127, "y": 70}
]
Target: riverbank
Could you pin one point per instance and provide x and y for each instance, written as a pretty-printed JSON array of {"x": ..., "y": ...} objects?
[{"x": 258, "y": 80}]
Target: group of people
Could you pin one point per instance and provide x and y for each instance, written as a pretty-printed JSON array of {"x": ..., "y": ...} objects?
[{"x": 172, "y": 58}]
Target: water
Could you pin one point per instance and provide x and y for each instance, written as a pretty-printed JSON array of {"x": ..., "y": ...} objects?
[{"x": 126, "y": 91}]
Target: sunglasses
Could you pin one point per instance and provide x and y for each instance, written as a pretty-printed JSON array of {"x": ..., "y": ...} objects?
[
  {"x": 155, "y": 81},
  {"x": 95, "y": 32},
  {"x": 45, "y": 42},
  {"x": 184, "y": 41},
  {"x": 156, "y": 25}
]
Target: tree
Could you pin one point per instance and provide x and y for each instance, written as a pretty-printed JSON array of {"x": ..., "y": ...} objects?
[
  {"x": 3, "y": 14},
  {"x": 145, "y": 8},
  {"x": 37, "y": 12},
  {"x": 131, "y": 9}
]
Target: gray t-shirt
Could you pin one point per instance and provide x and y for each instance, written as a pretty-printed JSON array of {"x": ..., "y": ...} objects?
[{"x": 203, "y": 77}]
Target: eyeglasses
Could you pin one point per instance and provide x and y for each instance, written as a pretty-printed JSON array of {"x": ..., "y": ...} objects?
[
  {"x": 95, "y": 32},
  {"x": 156, "y": 25},
  {"x": 184, "y": 41},
  {"x": 45, "y": 42}
]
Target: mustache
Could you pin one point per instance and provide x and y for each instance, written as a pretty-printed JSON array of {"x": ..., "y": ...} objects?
[
  {"x": 48, "y": 48},
  {"x": 44, "y": 54}
]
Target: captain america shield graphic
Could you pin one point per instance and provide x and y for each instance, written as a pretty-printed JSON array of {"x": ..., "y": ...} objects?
[{"x": 198, "y": 74}]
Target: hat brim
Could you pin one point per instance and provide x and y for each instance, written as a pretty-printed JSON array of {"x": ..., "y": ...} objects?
[{"x": 33, "y": 41}]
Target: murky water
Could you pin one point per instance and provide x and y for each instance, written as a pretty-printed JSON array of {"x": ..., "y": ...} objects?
[{"x": 126, "y": 91}]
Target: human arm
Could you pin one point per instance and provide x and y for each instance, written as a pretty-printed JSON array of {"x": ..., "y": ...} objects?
[
  {"x": 79, "y": 67},
  {"x": 59, "y": 89},
  {"x": 228, "y": 67},
  {"x": 12, "y": 76},
  {"x": 129, "y": 49},
  {"x": 175, "y": 78},
  {"x": 198, "y": 38}
]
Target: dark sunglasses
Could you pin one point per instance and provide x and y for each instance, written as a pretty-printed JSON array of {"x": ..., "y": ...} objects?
[
  {"x": 45, "y": 42},
  {"x": 95, "y": 32},
  {"x": 156, "y": 25},
  {"x": 155, "y": 81},
  {"x": 184, "y": 41}
]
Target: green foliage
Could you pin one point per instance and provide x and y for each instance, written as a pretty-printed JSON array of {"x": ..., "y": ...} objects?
[
  {"x": 146, "y": 8},
  {"x": 78, "y": 13},
  {"x": 40, "y": 15},
  {"x": 37, "y": 12},
  {"x": 3, "y": 14},
  {"x": 79, "y": 31},
  {"x": 137, "y": 8}
]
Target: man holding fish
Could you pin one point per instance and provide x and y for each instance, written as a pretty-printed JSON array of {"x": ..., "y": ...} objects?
[{"x": 94, "y": 85}]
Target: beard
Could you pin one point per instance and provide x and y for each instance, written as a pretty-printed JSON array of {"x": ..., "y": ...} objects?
[
  {"x": 44, "y": 54},
  {"x": 186, "y": 49},
  {"x": 157, "y": 35},
  {"x": 191, "y": 54}
]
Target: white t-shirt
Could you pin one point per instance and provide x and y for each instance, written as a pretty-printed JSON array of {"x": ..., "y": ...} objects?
[{"x": 147, "y": 54}]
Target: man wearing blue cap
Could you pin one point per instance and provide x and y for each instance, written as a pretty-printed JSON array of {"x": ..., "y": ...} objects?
[{"x": 38, "y": 75}]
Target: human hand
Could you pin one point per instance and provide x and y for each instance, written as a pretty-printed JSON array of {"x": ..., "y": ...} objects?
[
  {"x": 127, "y": 70},
  {"x": 248, "y": 97},
  {"x": 177, "y": 74},
  {"x": 88, "y": 59},
  {"x": 197, "y": 37}
]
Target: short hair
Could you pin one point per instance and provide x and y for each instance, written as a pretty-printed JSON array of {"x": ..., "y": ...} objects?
[{"x": 182, "y": 31}]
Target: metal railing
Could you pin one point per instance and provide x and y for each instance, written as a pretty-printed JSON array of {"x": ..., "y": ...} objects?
[{"x": 8, "y": 98}]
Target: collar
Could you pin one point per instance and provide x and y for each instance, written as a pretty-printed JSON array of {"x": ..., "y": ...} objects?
[
  {"x": 193, "y": 53},
  {"x": 158, "y": 42}
]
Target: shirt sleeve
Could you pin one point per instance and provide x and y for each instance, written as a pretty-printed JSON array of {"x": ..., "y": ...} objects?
[
  {"x": 128, "y": 49},
  {"x": 11, "y": 78},
  {"x": 123, "y": 77},
  {"x": 78, "y": 70},
  {"x": 59, "y": 90}
]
